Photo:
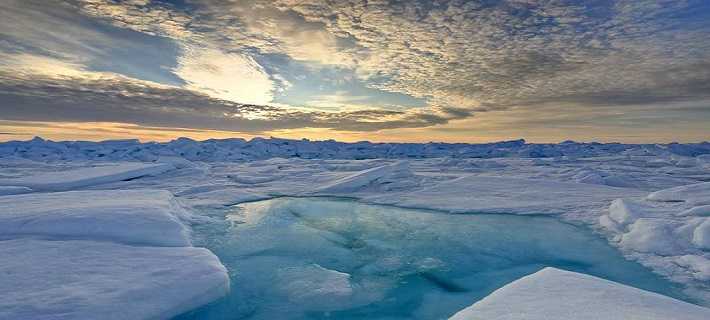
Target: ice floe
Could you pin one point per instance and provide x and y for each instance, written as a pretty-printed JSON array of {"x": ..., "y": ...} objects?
[
  {"x": 146, "y": 217},
  {"x": 553, "y": 294},
  {"x": 89, "y": 280},
  {"x": 650, "y": 200},
  {"x": 115, "y": 254}
]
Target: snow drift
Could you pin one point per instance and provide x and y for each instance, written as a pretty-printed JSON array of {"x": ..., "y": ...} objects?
[{"x": 82, "y": 177}]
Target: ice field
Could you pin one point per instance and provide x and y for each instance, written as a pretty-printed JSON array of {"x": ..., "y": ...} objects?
[
  {"x": 272, "y": 228},
  {"x": 320, "y": 258}
]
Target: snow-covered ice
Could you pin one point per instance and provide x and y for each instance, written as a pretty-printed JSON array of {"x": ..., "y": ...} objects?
[
  {"x": 649, "y": 201},
  {"x": 552, "y": 294},
  {"x": 89, "y": 280},
  {"x": 670, "y": 228},
  {"x": 82, "y": 177},
  {"x": 113, "y": 254},
  {"x": 475, "y": 193},
  {"x": 694, "y": 194},
  {"x": 386, "y": 174},
  {"x": 146, "y": 217}
]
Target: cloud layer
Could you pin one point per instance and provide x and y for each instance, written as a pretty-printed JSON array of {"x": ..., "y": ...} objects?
[{"x": 462, "y": 57}]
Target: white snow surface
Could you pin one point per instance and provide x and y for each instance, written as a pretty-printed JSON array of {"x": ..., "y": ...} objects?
[
  {"x": 651, "y": 201},
  {"x": 696, "y": 194},
  {"x": 669, "y": 229},
  {"x": 82, "y": 177},
  {"x": 89, "y": 280},
  {"x": 146, "y": 217},
  {"x": 386, "y": 174},
  {"x": 113, "y": 254},
  {"x": 475, "y": 193},
  {"x": 551, "y": 294}
]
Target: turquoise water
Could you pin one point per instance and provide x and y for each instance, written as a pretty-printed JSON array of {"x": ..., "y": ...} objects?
[{"x": 320, "y": 258}]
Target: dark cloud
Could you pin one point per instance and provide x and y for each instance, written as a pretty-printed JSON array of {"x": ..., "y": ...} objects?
[{"x": 119, "y": 99}]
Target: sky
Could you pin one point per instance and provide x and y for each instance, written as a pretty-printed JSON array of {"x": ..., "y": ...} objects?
[{"x": 352, "y": 70}]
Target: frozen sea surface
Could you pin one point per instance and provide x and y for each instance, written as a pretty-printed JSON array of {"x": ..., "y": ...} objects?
[{"x": 317, "y": 258}]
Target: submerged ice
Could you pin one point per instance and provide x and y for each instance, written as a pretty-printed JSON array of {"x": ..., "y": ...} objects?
[{"x": 312, "y": 258}]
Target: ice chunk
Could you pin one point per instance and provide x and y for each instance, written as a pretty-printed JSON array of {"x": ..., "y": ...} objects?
[
  {"x": 8, "y": 190},
  {"x": 701, "y": 235},
  {"x": 150, "y": 217},
  {"x": 699, "y": 266},
  {"x": 89, "y": 280},
  {"x": 556, "y": 294},
  {"x": 82, "y": 177},
  {"x": 624, "y": 212},
  {"x": 650, "y": 236},
  {"x": 314, "y": 285}
]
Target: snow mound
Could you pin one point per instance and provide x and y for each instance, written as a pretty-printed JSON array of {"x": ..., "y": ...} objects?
[
  {"x": 504, "y": 195},
  {"x": 88, "y": 176},
  {"x": 553, "y": 294},
  {"x": 696, "y": 194},
  {"x": 664, "y": 230},
  {"x": 651, "y": 236},
  {"x": 89, "y": 280},
  {"x": 381, "y": 175},
  {"x": 148, "y": 217},
  {"x": 700, "y": 211}
]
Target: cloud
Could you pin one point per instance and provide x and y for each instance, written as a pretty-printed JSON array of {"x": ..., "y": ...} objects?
[
  {"x": 465, "y": 58},
  {"x": 464, "y": 54},
  {"x": 55, "y": 30},
  {"x": 84, "y": 96},
  {"x": 467, "y": 54},
  {"x": 227, "y": 76}
]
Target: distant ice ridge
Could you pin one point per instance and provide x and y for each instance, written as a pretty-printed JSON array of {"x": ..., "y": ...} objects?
[
  {"x": 552, "y": 294},
  {"x": 112, "y": 254},
  {"x": 260, "y": 148}
]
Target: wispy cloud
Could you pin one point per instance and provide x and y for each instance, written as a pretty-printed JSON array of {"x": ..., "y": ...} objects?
[
  {"x": 464, "y": 58},
  {"x": 106, "y": 97},
  {"x": 466, "y": 53}
]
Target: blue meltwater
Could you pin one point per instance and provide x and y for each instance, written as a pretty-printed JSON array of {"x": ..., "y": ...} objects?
[{"x": 322, "y": 258}]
